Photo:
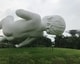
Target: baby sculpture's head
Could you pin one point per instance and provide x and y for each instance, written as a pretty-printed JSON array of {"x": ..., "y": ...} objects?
[{"x": 54, "y": 24}]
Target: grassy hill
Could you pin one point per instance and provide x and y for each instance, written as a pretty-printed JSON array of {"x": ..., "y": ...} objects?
[{"x": 39, "y": 55}]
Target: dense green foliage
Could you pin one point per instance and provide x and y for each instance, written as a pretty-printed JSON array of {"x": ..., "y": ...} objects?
[
  {"x": 40, "y": 55},
  {"x": 39, "y": 42},
  {"x": 67, "y": 42}
]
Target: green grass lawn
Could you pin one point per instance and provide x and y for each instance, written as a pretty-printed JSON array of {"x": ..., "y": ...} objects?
[{"x": 39, "y": 55}]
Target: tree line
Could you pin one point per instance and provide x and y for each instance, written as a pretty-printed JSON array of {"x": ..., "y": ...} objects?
[
  {"x": 60, "y": 41},
  {"x": 67, "y": 42}
]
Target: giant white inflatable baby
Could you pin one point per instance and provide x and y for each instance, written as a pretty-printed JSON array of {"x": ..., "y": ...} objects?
[{"x": 30, "y": 27}]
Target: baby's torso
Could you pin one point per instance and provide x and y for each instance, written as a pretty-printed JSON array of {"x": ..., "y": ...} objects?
[{"x": 21, "y": 29}]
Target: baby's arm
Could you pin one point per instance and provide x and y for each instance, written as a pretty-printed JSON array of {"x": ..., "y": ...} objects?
[{"x": 27, "y": 15}]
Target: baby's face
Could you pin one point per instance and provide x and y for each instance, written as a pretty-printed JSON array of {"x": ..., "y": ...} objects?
[
  {"x": 46, "y": 22},
  {"x": 54, "y": 24}
]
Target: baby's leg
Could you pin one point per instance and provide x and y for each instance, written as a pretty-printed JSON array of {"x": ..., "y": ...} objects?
[
  {"x": 8, "y": 19},
  {"x": 25, "y": 42},
  {"x": 6, "y": 26}
]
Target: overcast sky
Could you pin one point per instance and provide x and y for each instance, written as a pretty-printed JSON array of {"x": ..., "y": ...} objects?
[{"x": 68, "y": 9}]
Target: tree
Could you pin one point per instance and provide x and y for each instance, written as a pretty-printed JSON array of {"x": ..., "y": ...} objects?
[{"x": 73, "y": 32}]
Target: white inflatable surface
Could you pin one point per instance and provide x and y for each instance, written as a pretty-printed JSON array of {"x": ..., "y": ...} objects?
[{"x": 55, "y": 24}]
